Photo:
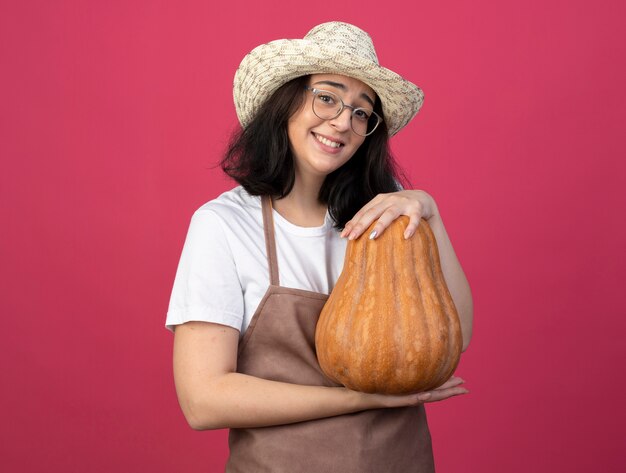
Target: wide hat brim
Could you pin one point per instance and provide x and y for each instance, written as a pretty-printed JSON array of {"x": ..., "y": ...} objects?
[{"x": 271, "y": 65}]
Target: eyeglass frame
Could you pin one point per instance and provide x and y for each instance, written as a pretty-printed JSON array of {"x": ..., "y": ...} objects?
[{"x": 315, "y": 92}]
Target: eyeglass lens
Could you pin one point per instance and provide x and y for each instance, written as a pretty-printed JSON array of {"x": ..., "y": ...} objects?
[{"x": 327, "y": 106}]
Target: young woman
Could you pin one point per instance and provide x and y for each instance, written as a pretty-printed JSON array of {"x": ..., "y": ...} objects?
[{"x": 259, "y": 261}]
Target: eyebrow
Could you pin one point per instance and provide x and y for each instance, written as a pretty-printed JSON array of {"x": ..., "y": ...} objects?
[{"x": 341, "y": 86}]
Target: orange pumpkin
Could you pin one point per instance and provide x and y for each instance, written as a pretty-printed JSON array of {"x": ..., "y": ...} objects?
[{"x": 390, "y": 325}]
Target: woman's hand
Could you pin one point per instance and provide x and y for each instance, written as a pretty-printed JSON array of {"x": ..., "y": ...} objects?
[
  {"x": 449, "y": 389},
  {"x": 386, "y": 208}
]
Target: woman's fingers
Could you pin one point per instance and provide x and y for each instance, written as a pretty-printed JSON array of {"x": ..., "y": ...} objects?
[
  {"x": 363, "y": 218},
  {"x": 441, "y": 394},
  {"x": 386, "y": 208},
  {"x": 414, "y": 221},
  {"x": 385, "y": 219},
  {"x": 450, "y": 388},
  {"x": 453, "y": 381},
  {"x": 354, "y": 229}
]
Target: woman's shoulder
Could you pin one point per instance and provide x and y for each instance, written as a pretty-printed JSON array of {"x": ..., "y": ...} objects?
[
  {"x": 230, "y": 206},
  {"x": 233, "y": 217}
]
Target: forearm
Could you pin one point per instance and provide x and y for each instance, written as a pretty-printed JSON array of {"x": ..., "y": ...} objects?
[
  {"x": 455, "y": 278},
  {"x": 237, "y": 400}
]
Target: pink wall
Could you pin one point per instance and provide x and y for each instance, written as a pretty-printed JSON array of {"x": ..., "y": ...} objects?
[{"x": 112, "y": 114}]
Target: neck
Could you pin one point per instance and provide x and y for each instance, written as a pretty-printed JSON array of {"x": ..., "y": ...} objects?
[{"x": 301, "y": 206}]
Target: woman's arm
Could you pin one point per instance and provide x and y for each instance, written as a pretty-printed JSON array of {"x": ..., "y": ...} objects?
[
  {"x": 455, "y": 279},
  {"x": 213, "y": 395},
  {"x": 418, "y": 204}
]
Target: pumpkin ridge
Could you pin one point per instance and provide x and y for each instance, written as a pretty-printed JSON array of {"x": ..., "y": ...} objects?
[
  {"x": 379, "y": 320},
  {"x": 403, "y": 321},
  {"x": 454, "y": 336},
  {"x": 397, "y": 321},
  {"x": 426, "y": 328},
  {"x": 356, "y": 318},
  {"x": 448, "y": 365},
  {"x": 353, "y": 323},
  {"x": 324, "y": 356},
  {"x": 341, "y": 329},
  {"x": 443, "y": 367}
]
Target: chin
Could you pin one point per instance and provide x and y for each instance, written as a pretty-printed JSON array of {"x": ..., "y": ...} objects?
[{"x": 325, "y": 170}]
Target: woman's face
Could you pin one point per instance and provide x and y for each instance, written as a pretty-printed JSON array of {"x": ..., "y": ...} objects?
[{"x": 321, "y": 146}]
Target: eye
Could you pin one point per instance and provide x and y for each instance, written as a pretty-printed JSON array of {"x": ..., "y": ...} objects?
[
  {"x": 362, "y": 114},
  {"x": 326, "y": 98}
]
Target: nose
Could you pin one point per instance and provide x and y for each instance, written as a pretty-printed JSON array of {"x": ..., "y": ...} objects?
[{"x": 342, "y": 121}]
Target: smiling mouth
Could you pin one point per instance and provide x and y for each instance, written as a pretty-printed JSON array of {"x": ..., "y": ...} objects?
[{"x": 327, "y": 142}]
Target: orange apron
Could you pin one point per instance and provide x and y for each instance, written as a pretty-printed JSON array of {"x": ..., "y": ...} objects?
[{"x": 280, "y": 345}]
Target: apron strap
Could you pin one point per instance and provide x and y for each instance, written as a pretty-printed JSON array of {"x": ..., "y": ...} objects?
[{"x": 270, "y": 242}]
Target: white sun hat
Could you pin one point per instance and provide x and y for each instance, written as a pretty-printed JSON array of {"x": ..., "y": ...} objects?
[{"x": 329, "y": 48}]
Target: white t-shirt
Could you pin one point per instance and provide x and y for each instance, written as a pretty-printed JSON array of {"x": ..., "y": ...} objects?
[{"x": 223, "y": 270}]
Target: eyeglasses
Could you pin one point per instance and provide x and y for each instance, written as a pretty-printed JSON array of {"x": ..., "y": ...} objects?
[{"x": 327, "y": 105}]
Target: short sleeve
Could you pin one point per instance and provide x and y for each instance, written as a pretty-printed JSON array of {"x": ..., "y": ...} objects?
[{"x": 206, "y": 287}]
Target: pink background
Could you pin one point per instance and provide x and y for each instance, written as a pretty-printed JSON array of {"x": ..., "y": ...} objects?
[{"x": 113, "y": 115}]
